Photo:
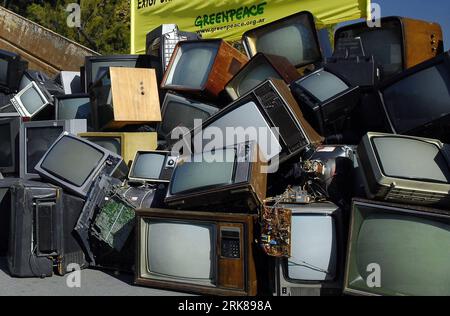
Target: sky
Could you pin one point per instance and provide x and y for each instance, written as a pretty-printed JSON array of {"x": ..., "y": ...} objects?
[{"x": 429, "y": 10}]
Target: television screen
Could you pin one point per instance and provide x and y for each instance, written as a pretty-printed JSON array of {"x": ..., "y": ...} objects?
[
  {"x": 4, "y": 65},
  {"x": 314, "y": 248},
  {"x": 38, "y": 141},
  {"x": 255, "y": 76},
  {"x": 181, "y": 251},
  {"x": 410, "y": 248},
  {"x": 192, "y": 64},
  {"x": 206, "y": 170},
  {"x": 74, "y": 108},
  {"x": 418, "y": 99},
  {"x": 32, "y": 100},
  {"x": 249, "y": 117},
  {"x": 323, "y": 85},
  {"x": 148, "y": 166},
  {"x": 65, "y": 155},
  {"x": 179, "y": 114},
  {"x": 6, "y": 150},
  {"x": 413, "y": 159},
  {"x": 113, "y": 144},
  {"x": 98, "y": 65}
]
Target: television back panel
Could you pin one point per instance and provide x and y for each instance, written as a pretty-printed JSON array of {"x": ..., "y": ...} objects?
[
  {"x": 71, "y": 82},
  {"x": 232, "y": 252},
  {"x": 10, "y": 124}
]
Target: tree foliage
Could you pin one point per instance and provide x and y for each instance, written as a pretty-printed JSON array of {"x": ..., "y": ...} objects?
[{"x": 105, "y": 24}]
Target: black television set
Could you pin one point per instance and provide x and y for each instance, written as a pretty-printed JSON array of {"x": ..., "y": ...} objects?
[
  {"x": 397, "y": 250},
  {"x": 37, "y": 137},
  {"x": 161, "y": 41},
  {"x": 326, "y": 100},
  {"x": 62, "y": 164},
  {"x": 11, "y": 70},
  {"x": 9, "y": 143},
  {"x": 417, "y": 101},
  {"x": 94, "y": 65},
  {"x": 180, "y": 112},
  {"x": 74, "y": 106},
  {"x": 293, "y": 37}
]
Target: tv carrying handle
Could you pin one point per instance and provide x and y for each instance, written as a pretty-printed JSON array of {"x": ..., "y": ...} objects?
[{"x": 102, "y": 187}]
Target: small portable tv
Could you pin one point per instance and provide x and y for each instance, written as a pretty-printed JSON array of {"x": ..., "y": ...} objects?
[
  {"x": 152, "y": 167},
  {"x": 231, "y": 178},
  {"x": 31, "y": 100},
  {"x": 397, "y": 250},
  {"x": 94, "y": 64},
  {"x": 316, "y": 266},
  {"x": 406, "y": 169},
  {"x": 73, "y": 163},
  {"x": 162, "y": 40},
  {"x": 178, "y": 111},
  {"x": 260, "y": 68},
  {"x": 257, "y": 114},
  {"x": 70, "y": 81},
  {"x": 123, "y": 144},
  {"x": 11, "y": 70},
  {"x": 417, "y": 101},
  {"x": 37, "y": 137},
  {"x": 202, "y": 67},
  {"x": 399, "y": 44},
  {"x": 326, "y": 100},
  {"x": 201, "y": 253},
  {"x": 74, "y": 106},
  {"x": 293, "y": 37},
  {"x": 9, "y": 143}
]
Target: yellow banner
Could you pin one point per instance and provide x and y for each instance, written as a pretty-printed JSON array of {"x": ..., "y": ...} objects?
[{"x": 229, "y": 19}]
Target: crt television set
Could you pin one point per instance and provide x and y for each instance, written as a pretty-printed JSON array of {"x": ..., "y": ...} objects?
[
  {"x": 201, "y": 253},
  {"x": 316, "y": 266},
  {"x": 293, "y": 37},
  {"x": 9, "y": 143},
  {"x": 260, "y": 68},
  {"x": 326, "y": 99},
  {"x": 202, "y": 67},
  {"x": 94, "y": 65},
  {"x": 74, "y": 106},
  {"x": 152, "y": 167},
  {"x": 417, "y": 101},
  {"x": 402, "y": 249},
  {"x": 270, "y": 105},
  {"x": 161, "y": 41},
  {"x": 231, "y": 178},
  {"x": 31, "y": 100},
  {"x": 123, "y": 144},
  {"x": 11, "y": 71},
  {"x": 405, "y": 169},
  {"x": 399, "y": 44},
  {"x": 180, "y": 112},
  {"x": 37, "y": 137},
  {"x": 73, "y": 163}
]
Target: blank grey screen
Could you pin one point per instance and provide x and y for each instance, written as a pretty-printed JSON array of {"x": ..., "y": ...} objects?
[
  {"x": 6, "y": 158},
  {"x": 77, "y": 108},
  {"x": 113, "y": 144},
  {"x": 411, "y": 159},
  {"x": 3, "y": 71},
  {"x": 96, "y": 65},
  {"x": 314, "y": 250},
  {"x": 419, "y": 99},
  {"x": 148, "y": 166},
  {"x": 323, "y": 85},
  {"x": 72, "y": 160},
  {"x": 178, "y": 114},
  {"x": 296, "y": 42},
  {"x": 200, "y": 175},
  {"x": 254, "y": 76},
  {"x": 181, "y": 251},
  {"x": 39, "y": 140},
  {"x": 192, "y": 68},
  {"x": 32, "y": 100}
]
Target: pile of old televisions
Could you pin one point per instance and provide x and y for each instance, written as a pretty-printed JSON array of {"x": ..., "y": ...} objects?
[{"x": 207, "y": 170}]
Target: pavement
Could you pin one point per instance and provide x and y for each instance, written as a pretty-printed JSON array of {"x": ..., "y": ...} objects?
[{"x": 93, "y": 283}]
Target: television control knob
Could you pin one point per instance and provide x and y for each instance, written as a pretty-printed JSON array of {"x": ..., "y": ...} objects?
[{"x": 171, "y": 162}]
